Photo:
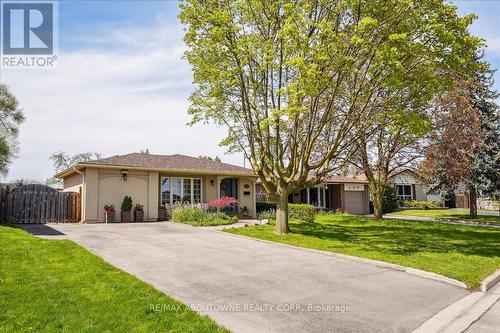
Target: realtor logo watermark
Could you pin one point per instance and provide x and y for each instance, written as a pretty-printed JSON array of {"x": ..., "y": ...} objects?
[{"x": 29, "y": 34}]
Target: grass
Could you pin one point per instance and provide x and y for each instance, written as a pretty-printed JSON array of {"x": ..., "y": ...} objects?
[
  {"x": 464, "y": 253},
  {"x": 198, "y": 217},
  {"x": 58, "y": 286},
  {"x": 447, "y": 214},
  {"x": 206, "y": 223}
]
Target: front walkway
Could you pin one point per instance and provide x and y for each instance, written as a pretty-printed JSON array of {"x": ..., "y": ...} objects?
[{"x": 252, "y": 286}]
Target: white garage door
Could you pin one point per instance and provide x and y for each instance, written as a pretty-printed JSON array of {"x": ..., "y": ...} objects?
[{"x": 354, "y": 202}]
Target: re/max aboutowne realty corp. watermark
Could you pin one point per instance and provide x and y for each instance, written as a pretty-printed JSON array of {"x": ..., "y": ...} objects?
[{"x": 29, "y": 34}]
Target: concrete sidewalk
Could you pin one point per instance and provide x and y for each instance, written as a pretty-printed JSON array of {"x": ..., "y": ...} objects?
[{"x": 251, "y": 286}]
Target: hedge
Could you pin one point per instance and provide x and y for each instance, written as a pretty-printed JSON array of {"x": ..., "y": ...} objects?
[
  {"x": 301, "y": 212},
  {"x": 414, "y": 204},
  {"x": 295, "y": 211},
  {"x": 263, "y": 206}
]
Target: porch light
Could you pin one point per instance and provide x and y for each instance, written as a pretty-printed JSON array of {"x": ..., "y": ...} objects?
[{"x": 124, "y": 174}]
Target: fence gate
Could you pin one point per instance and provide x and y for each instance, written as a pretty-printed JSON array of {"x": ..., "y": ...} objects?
[{"x": 36, "y": 203}]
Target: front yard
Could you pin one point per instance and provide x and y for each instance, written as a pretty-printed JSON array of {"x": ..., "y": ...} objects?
[
  {"x": 56, "y": 285},
  {"x": 465, "y": 253},
  {"x": 450, "y": 214}
]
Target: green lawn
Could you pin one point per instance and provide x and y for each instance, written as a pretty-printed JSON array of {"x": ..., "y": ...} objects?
[
  {"x": 449, "y": 215},
  {"x": 206, "y": 223},
  {"x": 58, "y": 286},
  {"x": 465, "y": 253}
]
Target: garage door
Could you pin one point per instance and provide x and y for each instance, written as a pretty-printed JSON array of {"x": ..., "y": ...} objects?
[{"x": 354, "y": 202}]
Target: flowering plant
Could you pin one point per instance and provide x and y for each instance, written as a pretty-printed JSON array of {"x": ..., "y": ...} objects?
[
  {"x": 109, "y": 208},
  {"x": 138, "y": 208},
  {"x": 223, "y": 202}
]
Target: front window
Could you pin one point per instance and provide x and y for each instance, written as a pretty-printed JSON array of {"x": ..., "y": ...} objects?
[
  {"x": 404, "y": 192},
  {"x": 316, "y": 196},
  {"x": 184, "y": 190}
]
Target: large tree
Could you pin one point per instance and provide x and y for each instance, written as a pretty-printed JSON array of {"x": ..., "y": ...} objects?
[
  {"x": 464, "y": 153},
  {"x": 63, "y": 161},
  {"x": 11, "y": 116},
  {"x": 297, "y": 83}
]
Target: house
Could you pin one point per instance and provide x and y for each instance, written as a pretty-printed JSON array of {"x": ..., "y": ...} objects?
[
  {"x": 343, "y": 193},
  {"x": 156, "y": 181},
  {"x": 350, "y": 193},
  {"x": 408, "y": 186}
]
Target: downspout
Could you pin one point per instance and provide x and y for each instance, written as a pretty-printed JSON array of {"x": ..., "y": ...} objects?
[{"x": 81, "y": 192}]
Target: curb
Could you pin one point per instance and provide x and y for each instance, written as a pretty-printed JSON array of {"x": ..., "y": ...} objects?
[
  {"x": 490, "y": 281},
  {"x": 459, "y": 316},
  {"x": 408, "y": 270}
]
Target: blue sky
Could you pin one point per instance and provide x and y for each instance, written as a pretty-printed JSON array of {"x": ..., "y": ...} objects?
[{"x": 121, "y": 85}]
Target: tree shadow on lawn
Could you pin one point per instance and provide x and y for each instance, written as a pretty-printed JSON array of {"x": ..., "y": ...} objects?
[{"x": 404, "y": 238}]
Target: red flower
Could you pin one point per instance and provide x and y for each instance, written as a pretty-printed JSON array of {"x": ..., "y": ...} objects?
[{"x": 223, "y": 202}]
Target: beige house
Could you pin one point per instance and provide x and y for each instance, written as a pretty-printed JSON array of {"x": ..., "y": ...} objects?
[{"x": 156, "y": 181}]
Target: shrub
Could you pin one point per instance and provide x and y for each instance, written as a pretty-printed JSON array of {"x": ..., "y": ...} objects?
[
  {"x": 264, "y": 206},
  {"x": 301, "y": 212},
  {"x": 223, "y": 202},
  {"x": 199, "y": 217},
  {"x": 389, "y": 200},
  {"x": 127, "y": 204},
  {"x": 414, "y": 204},
  {"x": 267, "y": 214}
]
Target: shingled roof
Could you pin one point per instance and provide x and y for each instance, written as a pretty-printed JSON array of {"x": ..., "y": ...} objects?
[{"x": 168, "y": 162}]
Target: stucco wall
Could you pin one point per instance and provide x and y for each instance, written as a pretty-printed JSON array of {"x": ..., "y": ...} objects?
[
  {"x": 112, "y": 190},
  {"x": 249, "y": 200},
  {"x": 73, "y": 183}
]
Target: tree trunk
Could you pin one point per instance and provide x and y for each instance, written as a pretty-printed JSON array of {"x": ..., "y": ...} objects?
[
  {"x": 472, "y": 201},
  {"x": 377, "y": 193},
  {"x": 282, "y": 215},
  {"x": 377, "y": 205}
]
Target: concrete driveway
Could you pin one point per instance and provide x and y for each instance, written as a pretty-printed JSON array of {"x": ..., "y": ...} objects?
[{"x": 263, "y": 287}]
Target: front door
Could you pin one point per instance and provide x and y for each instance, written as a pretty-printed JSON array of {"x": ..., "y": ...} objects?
[{"x": 229, "y": 188}]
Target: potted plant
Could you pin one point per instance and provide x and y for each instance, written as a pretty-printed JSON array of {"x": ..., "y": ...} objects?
[
  {"x": 126, "y": 208},
  {"x": 138, "y": 213},
  {"x": 244, "y": 210},
  {"x": 109, "y": 213}
]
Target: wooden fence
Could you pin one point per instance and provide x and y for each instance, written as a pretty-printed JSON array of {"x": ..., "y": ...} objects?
[{"x": 39, "y": 204}]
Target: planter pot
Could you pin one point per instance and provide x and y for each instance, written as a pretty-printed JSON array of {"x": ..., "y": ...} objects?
[
  {"x": 245, "y": 213},
  {"x": 162, "y": 214},
  {"x": 125, "y": 217},
  {"x": 109, "y": 217},
  {"x": 138, "y": 216}
]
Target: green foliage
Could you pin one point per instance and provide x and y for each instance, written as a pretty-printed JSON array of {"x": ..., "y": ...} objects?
[
  {"x": 267, "y": 210},
  {"x": 301, "y": 212},
  {"x": 389, "y": 200},
  {"x": 295, "y": 82},
  {"x": 127, "y": 204},
  {"x": 269, "y": 214},
  {"x": 198, "y": 217},
  {"x": 11, "y": 116},
  {"x": 59, "y": 275},
  {"x": 421, "y": 204},
  {"x": 263, "y": 206}
]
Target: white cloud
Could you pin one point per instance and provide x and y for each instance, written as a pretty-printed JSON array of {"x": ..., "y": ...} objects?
[{"x": 110, "y": 100}]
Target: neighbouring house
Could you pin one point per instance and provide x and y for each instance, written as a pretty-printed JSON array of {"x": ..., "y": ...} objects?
[
  {"x": 409, "y": 186},
  {"x": 156, "y": 181},
  {"x": 350, "y": 193},
  {"x": 343, "y": 193}
]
